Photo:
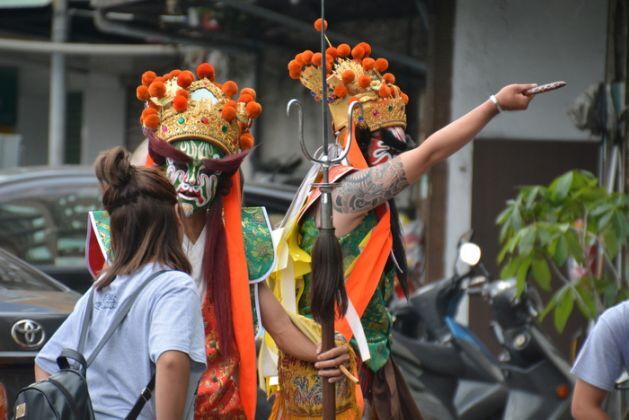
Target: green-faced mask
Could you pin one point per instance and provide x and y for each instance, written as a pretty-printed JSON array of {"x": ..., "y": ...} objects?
[{"x": 195, "y": 187}]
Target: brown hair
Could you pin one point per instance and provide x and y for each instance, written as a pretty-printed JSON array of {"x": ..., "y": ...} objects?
[{"x": 141, "y": 204}]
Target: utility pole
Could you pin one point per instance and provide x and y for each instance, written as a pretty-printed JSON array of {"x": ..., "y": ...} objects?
[{"x": 57, "y": 108}]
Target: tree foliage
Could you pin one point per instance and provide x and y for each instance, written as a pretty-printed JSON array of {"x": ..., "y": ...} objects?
[{"x": 572, "y": 229}]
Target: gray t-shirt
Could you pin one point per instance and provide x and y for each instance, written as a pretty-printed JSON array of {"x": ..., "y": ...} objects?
[
  {"x": 166, "y": 316},
  {"x": 605, "y": 353}
]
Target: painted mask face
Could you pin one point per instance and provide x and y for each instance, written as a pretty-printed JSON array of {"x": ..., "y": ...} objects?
[
  {"x": 195, "y": 187},
  {"x": 380, "y": 150}
]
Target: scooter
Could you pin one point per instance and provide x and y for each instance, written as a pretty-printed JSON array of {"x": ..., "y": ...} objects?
[{"x": 455, "y": 375}]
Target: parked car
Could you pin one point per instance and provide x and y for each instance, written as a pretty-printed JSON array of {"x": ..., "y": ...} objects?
[
  {"x": 43, "y": 216},
  {"x": 32, "y": 306}
]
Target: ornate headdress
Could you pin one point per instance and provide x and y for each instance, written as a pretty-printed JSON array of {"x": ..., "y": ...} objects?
[
  {"x": 179, "y": 107},
  {"x": 352, "y": 75}
]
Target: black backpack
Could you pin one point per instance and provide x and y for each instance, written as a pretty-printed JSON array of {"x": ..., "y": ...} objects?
[{"x": 64, "y": 395}]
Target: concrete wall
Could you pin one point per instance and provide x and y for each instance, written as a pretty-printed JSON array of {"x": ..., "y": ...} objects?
[
  {"x": 505, "y": 41},
  {"x": 102, "y": 114}
]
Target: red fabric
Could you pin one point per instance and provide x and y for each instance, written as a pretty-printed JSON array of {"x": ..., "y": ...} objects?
[
  {"x": 240, "y": 299},
  {"x": 95, "y": 255}
]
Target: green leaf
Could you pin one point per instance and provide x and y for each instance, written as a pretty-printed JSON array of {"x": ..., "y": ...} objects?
[
  {"x": 586, "y": 304},
  {"x": 516, "y": 219},
  {"x": 510, "y": 268},
  {"x": 619, "y": 221},
  {"x": 527, "y": 240},
  {"x": 544, "y": 235},
  {"x": 604, "y": 220},
  {"x": 541, "y": 273},
  {"x": 610, "y": 239},
  {"x": 563, "y": 308},
  {"x": 532, "y": 195},
  {"x": 504, "y": 215},
  {"x": 560, "y": 187},
  {"x": 574, "y": 246},
  {"x": 561, "y": 251},
  {"x": 549, "y": 307},
  {"x": 522, "y": 272}
]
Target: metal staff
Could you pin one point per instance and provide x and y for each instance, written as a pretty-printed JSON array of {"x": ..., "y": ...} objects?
[{"x": 328, "y": 282}]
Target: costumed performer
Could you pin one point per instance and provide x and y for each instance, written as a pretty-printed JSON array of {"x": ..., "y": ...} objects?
[
  {"x": 201, "y": 135},
  {"x": 380, "y": 164}
]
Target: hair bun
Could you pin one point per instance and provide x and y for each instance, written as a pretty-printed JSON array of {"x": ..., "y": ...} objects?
[{"x": 113, "y": 168}]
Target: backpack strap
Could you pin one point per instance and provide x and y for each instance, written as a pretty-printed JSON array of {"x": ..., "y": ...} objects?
[
  {"x": 144, "y": 397},
  {"x": 119, "y": 317},
  {"x": 62, "y": 360}
]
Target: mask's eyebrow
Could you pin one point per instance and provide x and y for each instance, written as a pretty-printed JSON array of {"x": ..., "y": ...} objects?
[
  {"x": 160, "y": 150},
  {"x": 228, "y": 165}
]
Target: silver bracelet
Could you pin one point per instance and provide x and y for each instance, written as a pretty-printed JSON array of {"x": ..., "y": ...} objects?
[{"x": 495, "y": 101}]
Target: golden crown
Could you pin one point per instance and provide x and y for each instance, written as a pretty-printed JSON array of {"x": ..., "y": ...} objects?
[
  {"x": 352, "y": 75},
  {"x": 179, "y": 107}
]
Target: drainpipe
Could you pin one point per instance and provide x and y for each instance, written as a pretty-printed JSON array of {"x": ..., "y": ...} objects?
[{"x": 57, "y": 108}]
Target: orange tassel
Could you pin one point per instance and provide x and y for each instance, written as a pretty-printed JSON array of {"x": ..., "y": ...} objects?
[
  {"x": 343, "y": 50},
  {"x": 320, "y": 22},
  {"x": 389, "y": 78},
  {"x": 331, "y": 51},
  {"x": 228, "y": 113},
  {"x": 246, "y": 141},
  {"x": 307, "y": 56},
  {"x": 316, "y": 59},
  {"x": 147, "y": 77},
  {"x": 230, "y": 88},
  {"x": 367, "y": 48},
  {"x": 253, "y": 109},
  {"x": 180, "y": 103},
  {"x": 183, "y": 92},
  {"x": 358, "y": 52},
  {"x": 384, "y": 91},
  {"x": 348, "y": 77},
  {"x": 151, "y": 121},
  {"x": 364, "y": 81},
  {"x": 157, "y": 88},
  {"x": 185, "y": 78},
  {"x": 340, "y": 91},
  {"x": 245, "y": 97},
  {"x": 248, "y": 91},
  {"x": 294, "y": 66},
  {"x": 142, "y": 93},
  {"x": 205, "y": 70},
  {"x": 369, "y": 63},
  {"x": 382, "y": 65}
]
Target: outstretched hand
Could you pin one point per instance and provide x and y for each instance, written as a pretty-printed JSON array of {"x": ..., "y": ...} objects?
[
  {"x": 329, "y": 362},
  {"x": 512, "y": 97}
]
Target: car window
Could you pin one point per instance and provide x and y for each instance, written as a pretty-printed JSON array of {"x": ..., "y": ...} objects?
[
  {"x": 15, "y": 275},
  {"x": 48, "y": 229}
]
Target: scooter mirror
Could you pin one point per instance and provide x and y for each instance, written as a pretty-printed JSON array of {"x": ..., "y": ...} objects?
[{"x": 469, "y": 253}]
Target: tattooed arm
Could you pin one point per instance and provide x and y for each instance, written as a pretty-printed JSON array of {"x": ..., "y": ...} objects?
[{"x": 366, "y": 189}]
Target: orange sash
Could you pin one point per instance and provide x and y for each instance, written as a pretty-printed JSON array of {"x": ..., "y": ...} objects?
[
  {"x": 365, "y": 277},
  {"x": 240, "y": 298}
]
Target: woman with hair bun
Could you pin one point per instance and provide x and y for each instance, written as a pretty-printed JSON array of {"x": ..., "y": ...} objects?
[{"x": 162, "y": 334}]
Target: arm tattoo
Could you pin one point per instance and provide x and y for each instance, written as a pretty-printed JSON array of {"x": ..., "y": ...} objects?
[{"x": 367, "y": 189}]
